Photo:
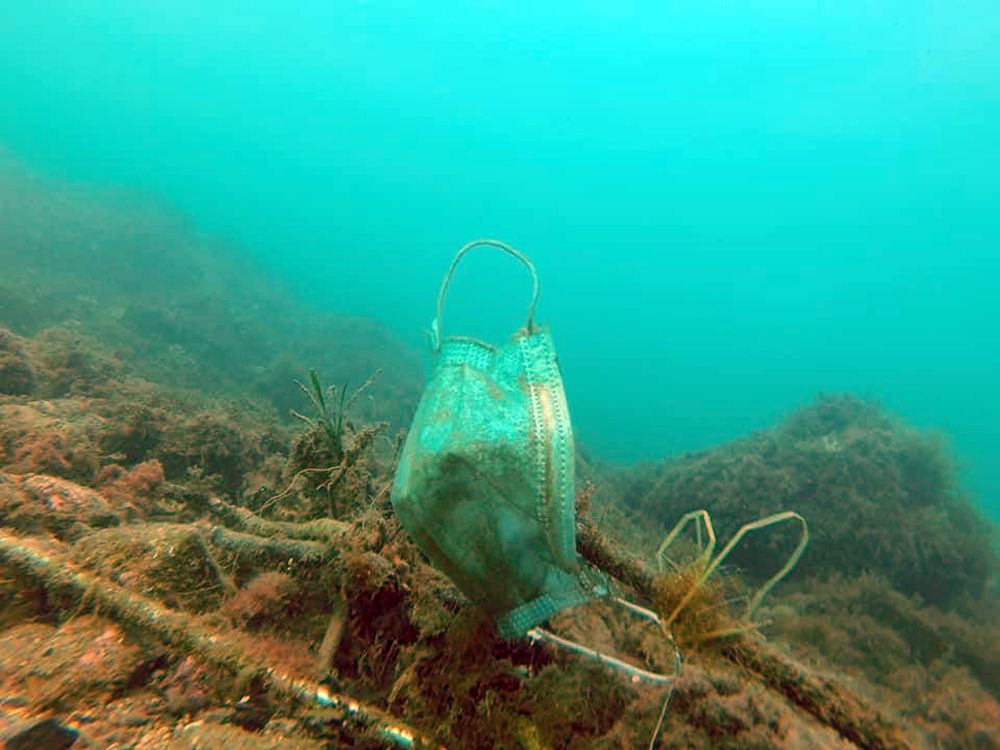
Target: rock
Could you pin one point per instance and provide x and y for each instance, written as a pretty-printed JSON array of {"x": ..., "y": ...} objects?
[
  {"x": 34, "y": 503},
  {"x": 81, "y": 663},
  {"x": 70, "y": 501},
  {"x": 204, "y": 734},
  {"x": 49, "y": 733},
  {"x": 57, "y": 437}
]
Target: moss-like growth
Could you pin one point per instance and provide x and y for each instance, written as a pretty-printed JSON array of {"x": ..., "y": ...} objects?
[
  {"x": 209, "y": 444},
  {"x": 81, "y": 664},
  {"x": 37, "y": 503},
  {"x": 710, "y": 709},
  {"x": 880, "y": 496},
  {"x": 263, "y": 600},
  {"x": 134, "y": 431},
  {"x": 142, "y": 484},
  {"x": 940, "y": 668},
  {"x": 51, "y": 437},
  {"x": 707, "y": 615},
  {"x": 863, "y": 623},
  {"x": 17, "y": 374},
  {"x": 465, "y": 684},
  {"x": 74, "y": 364},
  {"x": 168, "y": 561},
  {"x": 332, "y": 462}
]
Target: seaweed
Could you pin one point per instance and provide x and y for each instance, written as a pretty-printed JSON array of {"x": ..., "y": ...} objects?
[
  {"x": 331, "y": 456},
  {"x": 208, "y": 443},
  {"x": 332, "y": 424},
  {"x": 240, "y": 614},
  {"x": 705, "y": 564},
  {"x": 72, "y": 363},
  {"x": 881, "y": 496},
  {"x": 17, "y": 373}
]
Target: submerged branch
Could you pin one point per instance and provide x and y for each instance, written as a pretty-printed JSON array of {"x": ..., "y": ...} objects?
[
  {"x": 253, "y": 548},
  {"x": 829, "y": 701},
  {"x": 188, "y": 634},
  {"x": 241, "y": 519}
]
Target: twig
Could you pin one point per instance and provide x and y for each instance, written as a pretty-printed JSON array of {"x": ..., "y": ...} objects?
[
  {"x": 253, "y": 548},
  {"x": 832, "y": 702},
  {"x": 608, "y": 556},
  {"x": 190, "y": 635},
  {"x": 295, "y": 477},
  {"x": 241, "y": 519},
  {"x": 332, "y": 638},
  {"x": 221, "y": 577},
  {"x": 828, "y": 700}
]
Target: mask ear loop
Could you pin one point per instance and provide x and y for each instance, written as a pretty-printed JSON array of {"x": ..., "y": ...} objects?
[
  {"x": 436, "y": 325},
  {"x": 707, "y": 565},
  {"x": 635, "y": 674}
]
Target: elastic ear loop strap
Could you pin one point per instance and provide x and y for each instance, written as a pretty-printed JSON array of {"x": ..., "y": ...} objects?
[
  {"x": 633, "y": 672},
  {"x": 436, "y": 325}
]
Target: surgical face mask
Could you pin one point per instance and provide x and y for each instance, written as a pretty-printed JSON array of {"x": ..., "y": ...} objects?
[{"x": 486, "y": 482}]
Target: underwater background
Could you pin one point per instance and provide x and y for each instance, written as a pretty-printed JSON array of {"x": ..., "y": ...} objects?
[
  {"x": 767, "y": 238},
  {"x": 732, "y": 207}
]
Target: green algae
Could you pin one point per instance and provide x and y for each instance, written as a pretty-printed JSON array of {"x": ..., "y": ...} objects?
[{"x": 879, "y": 495}]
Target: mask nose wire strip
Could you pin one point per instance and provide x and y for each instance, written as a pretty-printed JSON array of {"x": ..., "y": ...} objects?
[{"x": 529, "y": 325}]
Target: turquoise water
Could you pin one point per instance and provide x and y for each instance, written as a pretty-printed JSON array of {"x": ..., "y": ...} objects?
[{"x": 732, "y": 206}]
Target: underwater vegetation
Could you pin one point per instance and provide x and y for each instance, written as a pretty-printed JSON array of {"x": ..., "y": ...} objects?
[
  {"x": 881, "y": 497},
  {"x": 179, "y": 541},
  {"x": 333, "y": 451},
  {"x": 17, "y": 377},
  {"x": 185, "y": 563},
  {"x": 176, "y": 307}
]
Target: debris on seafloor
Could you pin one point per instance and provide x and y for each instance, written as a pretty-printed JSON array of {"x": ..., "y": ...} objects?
[
  {"x": 153, "y": 605},
  {"x": 69, "y": 585}
]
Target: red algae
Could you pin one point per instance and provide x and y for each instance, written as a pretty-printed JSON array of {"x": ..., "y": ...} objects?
[{"x": 211, "y": 511}]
